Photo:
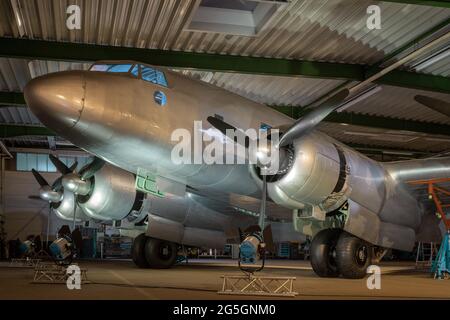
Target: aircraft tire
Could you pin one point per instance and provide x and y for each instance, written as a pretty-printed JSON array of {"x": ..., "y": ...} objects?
[
  {"x": 353, "y": 256},
  {"x": 137, "y": 251},
  {"x": 322, "y": 253},
  {"x": 160, "y": 254}
]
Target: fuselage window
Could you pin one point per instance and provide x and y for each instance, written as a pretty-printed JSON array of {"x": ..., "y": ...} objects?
[
  {"x": 265, "y": 126},
  {"x": 118, "y": 68},
  {"x": 154, "y": 76}
]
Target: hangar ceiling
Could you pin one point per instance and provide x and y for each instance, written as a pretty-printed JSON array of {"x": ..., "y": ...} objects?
[{"x": 306, "y": 50}]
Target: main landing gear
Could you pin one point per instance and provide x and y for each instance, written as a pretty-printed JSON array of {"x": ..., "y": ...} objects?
[
  {"x": 335, "y": 252},
  {"x": 153, "y": 253}
]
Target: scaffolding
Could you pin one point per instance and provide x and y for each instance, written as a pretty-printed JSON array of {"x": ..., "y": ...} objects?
[{"x": 440, "y": 266}]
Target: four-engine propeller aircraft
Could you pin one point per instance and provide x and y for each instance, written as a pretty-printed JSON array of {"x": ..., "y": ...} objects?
[{"x": 125, "y": 113}]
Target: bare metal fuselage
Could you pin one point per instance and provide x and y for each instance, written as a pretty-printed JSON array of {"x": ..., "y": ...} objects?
[{"x": 116, "y": 118}]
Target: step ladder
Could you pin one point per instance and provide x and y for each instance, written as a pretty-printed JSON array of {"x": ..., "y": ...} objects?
[{"x": 426, "y": 253}]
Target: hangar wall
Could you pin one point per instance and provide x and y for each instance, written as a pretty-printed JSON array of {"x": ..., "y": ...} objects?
[{"x": 24, "y": 216}]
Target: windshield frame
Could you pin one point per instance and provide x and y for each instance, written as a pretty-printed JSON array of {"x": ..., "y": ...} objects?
[{"x": 133, "y": 65}]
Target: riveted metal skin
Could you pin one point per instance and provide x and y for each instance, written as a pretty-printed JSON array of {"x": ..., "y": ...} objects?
[
  {"x": 112, "y": 195},
  {"x": 116, "y": 118}
]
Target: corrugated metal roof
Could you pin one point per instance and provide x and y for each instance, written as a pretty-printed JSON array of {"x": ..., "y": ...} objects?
[
  {"x": 351, "y": 134},
  {"x": 15, "y": 73},
  {"x": 399, "y": 103},
  {"x": 18, "y": 115},
  {"x": 271, "y": 90},
  {"x": 303, "y": 29}
]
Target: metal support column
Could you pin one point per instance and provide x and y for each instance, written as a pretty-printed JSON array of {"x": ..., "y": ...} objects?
[{"x": 4, "y": 154}]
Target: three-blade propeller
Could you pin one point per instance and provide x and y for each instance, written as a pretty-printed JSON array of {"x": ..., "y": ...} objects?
[
  {"x": 300, "y": 128},
  {"x": 77, "y": 181}
]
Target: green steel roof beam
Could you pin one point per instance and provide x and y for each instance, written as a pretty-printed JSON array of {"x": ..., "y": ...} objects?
[
  {"x": 11, "y": 99},
  {"x": 49, "y": 50},
  {"x": 68, "y": 51},
  {"x": 9, "y": 131}
]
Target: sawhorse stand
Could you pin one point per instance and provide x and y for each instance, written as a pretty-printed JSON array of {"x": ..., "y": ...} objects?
[
  {"x": 24, "y": 263},
  {"x": 53, "y": 273}
]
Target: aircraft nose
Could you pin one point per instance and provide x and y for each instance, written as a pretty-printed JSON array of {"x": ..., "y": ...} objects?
[{"x": 57, "y": 99}]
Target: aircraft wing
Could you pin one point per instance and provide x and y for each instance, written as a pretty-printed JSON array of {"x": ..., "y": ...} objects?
[{"x": 234, "y": 204}]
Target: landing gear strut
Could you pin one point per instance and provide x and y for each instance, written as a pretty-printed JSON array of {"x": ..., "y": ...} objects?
[
  {"x": 335, "y": 252},
  {"x": 153, "y": 253}
]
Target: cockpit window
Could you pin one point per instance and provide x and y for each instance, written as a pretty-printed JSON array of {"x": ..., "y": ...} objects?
[
  {"x": 135, "y": 71},
  {"x": 146, "y": 73},
  {"x": 118, "y": 68},
  {"x": 154, "y": 76}
]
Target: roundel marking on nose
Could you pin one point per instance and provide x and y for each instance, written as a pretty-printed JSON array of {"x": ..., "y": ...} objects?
[{"x": 160, "y": 98}]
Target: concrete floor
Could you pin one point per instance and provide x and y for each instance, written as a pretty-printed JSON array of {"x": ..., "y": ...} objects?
[{"x": 201, "y": 280}]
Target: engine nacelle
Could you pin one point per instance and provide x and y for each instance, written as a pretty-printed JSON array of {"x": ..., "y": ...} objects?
[
  {"x": 112, "y": 194},
  {"x": 316, "y": 176}
]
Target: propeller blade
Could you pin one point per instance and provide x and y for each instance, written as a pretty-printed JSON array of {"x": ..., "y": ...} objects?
[
  {"x": 57, "y": 185},
  {"x": 73, "y": 166},
  {"x": 434, "y": 104},
  {"x": 35, "y": 198},
  {"x": 222, "y": 126},
  {"x": 313, "y": 118},
  {"x": 89, "y": 170},
  {"x": 60, "y": 166},
  {"x": 39, "y": 178}
]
